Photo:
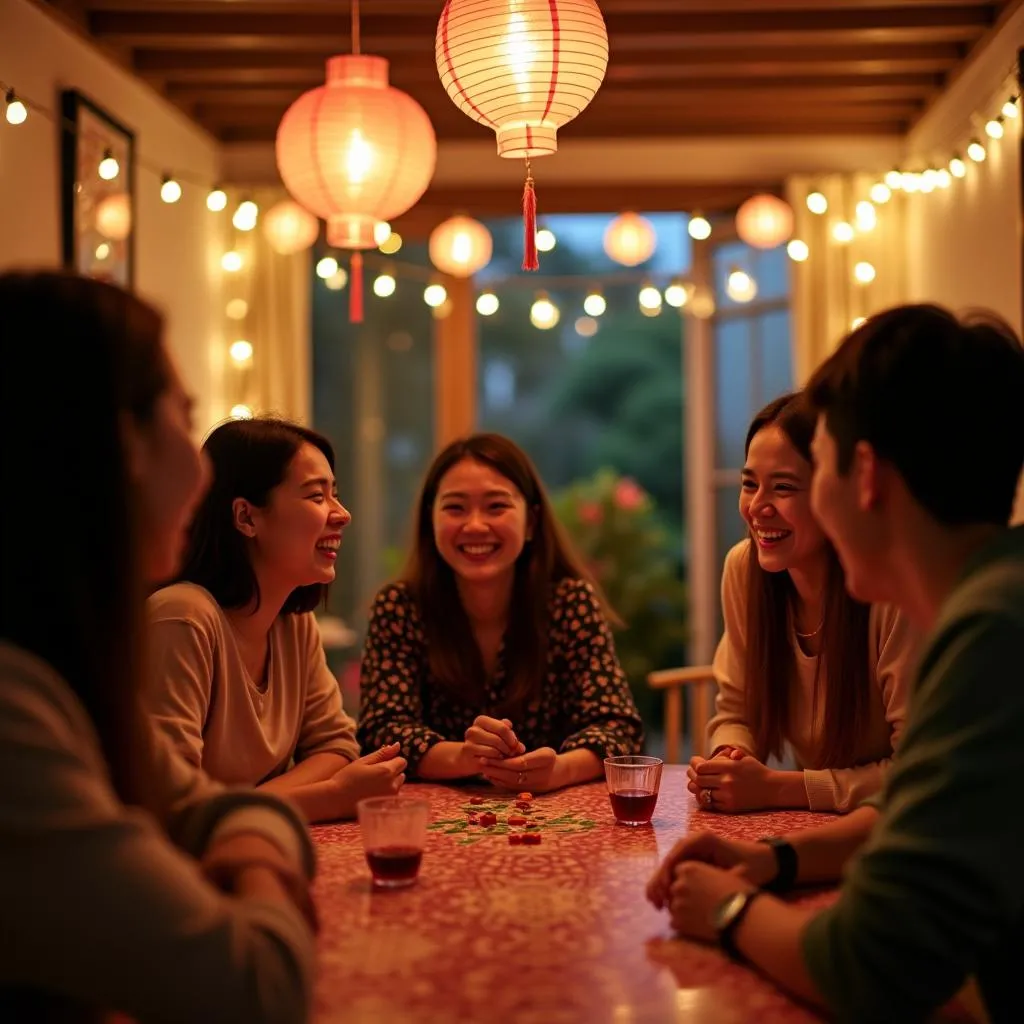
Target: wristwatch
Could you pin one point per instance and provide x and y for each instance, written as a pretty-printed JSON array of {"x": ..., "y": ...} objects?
[
  {"x": 786, "y": 863},
  {"x": 726, "y": 919}
]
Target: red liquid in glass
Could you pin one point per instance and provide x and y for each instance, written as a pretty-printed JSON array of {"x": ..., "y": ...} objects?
[
  {"x": 391, "y": 864},
  {"x": 633, "y": 805}
]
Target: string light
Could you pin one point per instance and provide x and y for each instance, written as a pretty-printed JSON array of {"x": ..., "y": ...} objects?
[
  {"x": 241, "y": 351},
  {"x": 864, "y": 272},
  {"x": 865, "y": 215},
  {"x": 957, "y": 167},
  {"x": 384, "y": 286},
  {"x": 546, "y": 240},
  {"x": 435, "y": 295},
  {"x": 594, "y": 304},
  {"x": 337, "y": 280},
  {"x": 1010, "y": 108},
  {"x": 245, "y": 217},
  {"x": 326, "y": 267},
  {"x": 216, "y": 200},
  {"x": 817, "y": 203},
  {"x": 170, "y": 190},
  {"x": 740, "y": 286},
  {"x": 994, "y": 128},
  {"x": 17, "y": 112},
  {"x": 586, "y": 326},
  {"x": 880, "y": 193},
  {"x": 109, "y": 168},
  {"x": 391, "y": 244},
  {"x": 976, "y": 151},
  {"x": 676, "y": 294},
  {"x": 649, "y": 297},
  {"x": 699, "y": 228},
  {"x": 797, "y": 250},
  {"x": 237, "y": 309},
  {"x": 544, "y": 313},
  {"x": 381, "y": 232},
  {"x": 842, "y": 232},
  {"x": 894, "y": 179},
  {"x": 487, "y": 304},
  {"x": 241, "y": 412},
  {"x": 232, "y": 262}
]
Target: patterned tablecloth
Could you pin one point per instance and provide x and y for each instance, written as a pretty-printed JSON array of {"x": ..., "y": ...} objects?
[{"x": 556, "y": 932}]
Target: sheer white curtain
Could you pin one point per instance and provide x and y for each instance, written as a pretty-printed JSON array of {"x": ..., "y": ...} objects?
[
  {"x": 268, "y": 303},
  {"x": 827, "y": 297}
]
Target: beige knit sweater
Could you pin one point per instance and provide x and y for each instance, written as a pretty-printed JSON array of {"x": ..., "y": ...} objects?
[
  {"x": 892, "y": 658},
  {"x": 100, "y": 911},
  {"x": 203, "y": 700}
]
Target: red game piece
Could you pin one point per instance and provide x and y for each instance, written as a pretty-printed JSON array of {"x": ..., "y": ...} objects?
[
  {"x": 488, "y": 820},
  {"x": 515, "y": 839},
  {"x": 515, "y": 820},
  {"x": 526, "y": 797},
  {"x": 531, "y": 839},
  {"x": 531, "y": 824},
  {"x": 477, "y": 800},
  {"x": 523, "y": 805},
  {"x": 473, "y": 819}
]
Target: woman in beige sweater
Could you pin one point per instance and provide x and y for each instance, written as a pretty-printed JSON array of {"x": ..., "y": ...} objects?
[
  {"x": 801, "y": 664},
  {"x": 127, "y": 882},
  {"x": 240, "y": 682}
]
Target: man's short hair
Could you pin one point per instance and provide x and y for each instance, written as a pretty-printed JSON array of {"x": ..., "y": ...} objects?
[{"x": 940, "y": 397}]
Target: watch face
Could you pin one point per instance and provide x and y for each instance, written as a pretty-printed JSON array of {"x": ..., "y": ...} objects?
[{"x": 727, "y": 910}]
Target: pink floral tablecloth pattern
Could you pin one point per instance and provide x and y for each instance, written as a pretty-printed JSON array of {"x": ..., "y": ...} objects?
[{"x": 556, "y": 932}]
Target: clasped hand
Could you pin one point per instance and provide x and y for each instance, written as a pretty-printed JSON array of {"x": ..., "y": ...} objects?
[
  {"x": 497, "y": 753},
  {"x": 734, "y": 780}
]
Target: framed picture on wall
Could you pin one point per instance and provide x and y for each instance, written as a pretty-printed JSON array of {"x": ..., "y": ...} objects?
[{"x": 97, "y": 191}]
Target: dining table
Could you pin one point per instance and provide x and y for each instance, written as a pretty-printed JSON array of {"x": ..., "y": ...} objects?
[{"x": 555, "y": 931}]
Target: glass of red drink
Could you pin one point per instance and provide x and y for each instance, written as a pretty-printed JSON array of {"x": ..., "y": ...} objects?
[
  {"x": 394, "y": 832},
  {"x": 633, "y": 783}
]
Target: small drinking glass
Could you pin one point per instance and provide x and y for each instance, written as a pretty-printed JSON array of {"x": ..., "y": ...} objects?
[
  {"x": 633, "y": 783},
  {"x": 394, "y": 832}
]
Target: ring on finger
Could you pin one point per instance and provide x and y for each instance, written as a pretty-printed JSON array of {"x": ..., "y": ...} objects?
[{"x": 706, "y": 797}]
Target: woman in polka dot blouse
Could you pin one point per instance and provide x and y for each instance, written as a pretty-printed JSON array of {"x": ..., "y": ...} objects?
[{"x": 492, "y": 654}]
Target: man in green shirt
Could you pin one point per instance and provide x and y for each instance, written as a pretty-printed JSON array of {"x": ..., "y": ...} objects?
[{"x": 919, "y": 447}]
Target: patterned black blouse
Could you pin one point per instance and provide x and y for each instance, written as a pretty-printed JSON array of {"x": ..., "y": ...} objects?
[{"x": 585, "y": 702}]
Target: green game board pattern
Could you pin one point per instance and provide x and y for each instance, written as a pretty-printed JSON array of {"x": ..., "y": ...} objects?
[{"x": 564, "y": 823}]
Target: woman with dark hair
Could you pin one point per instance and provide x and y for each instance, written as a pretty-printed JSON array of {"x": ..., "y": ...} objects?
[
  {"x": 492, "y": 655},
  {"x": 105, "y": 834},
  {"x": 801, "y": 664},
  {"x": 240, "y": 683}
]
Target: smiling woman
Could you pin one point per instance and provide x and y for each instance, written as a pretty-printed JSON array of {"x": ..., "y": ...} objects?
[
  {"x": 240, "y": 681},
  {"x": 492, "y": 654}
]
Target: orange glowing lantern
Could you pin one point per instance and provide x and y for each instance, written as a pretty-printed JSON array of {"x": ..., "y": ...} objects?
[
  {"x": 288, "y": 228},
  {"x": 113, "y": 218},
  {"x": 460, "y": 246},
  {"x": 764, "y": 221},
  {"x": 356, "y": 151},
  {"x": 524, "y": 68},
  {"x": 630, "y": 239}
]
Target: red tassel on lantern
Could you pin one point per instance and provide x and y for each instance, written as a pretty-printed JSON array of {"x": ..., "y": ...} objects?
[
  {"x": 355, "y": 289},
  {"x": 530, "y": 261}
]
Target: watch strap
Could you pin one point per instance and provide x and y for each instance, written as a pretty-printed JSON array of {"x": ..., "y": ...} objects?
[
  {"x": 786, "y": 863},
  {"x": 727, "y": 932}
]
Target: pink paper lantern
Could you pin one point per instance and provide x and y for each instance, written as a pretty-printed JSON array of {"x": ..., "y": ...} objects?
[
  {"x": 460, "y": 246},
  {"x": 288, "y": 228},
  {"x": 523, "y": 68},
  {"x": 356, "y": 151},
  {"x": 764, "y": 221}
]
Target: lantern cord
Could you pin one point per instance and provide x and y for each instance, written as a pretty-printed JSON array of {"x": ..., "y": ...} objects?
[
  {"x": 355, "y": 289},
  {"x": 355, "y": 26},
  {"x": 530, "y": 261}
]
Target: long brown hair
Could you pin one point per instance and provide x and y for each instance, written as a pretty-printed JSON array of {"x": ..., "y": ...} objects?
[
  {"x": 547, "y": 558},
  {"x": 96, "y": 354},
  {"x": 770, "y": 673}
]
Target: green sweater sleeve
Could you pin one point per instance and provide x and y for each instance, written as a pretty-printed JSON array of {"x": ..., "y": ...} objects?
[{"x": 940, "y": 884}]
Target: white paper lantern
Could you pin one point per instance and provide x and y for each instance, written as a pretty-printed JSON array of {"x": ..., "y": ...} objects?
[
  {"x": 113, "y": 218},
  {"x": 288, "y": 228},
  {"x": 460, "y": 246},
  {"x": 764, "y": 221}
]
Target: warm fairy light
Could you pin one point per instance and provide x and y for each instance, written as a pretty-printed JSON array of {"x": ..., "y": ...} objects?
[
  {"x": 994, "y": 128},
  {"x": 586, "y": 326},
  {"x": 487, "y": 304},
  {"x": 546, "y": 240},
  {"x": 170, "y": 190},
  {"x": 699, "y": 228},
  {"x": 337, "y": 280},
  {"x": 391, "y": 244},
  {"x": 231, "y": 261},
  {"x": 435, "y": 295},
  {"x": 649, "y": 297},
  {"x": 798, "y": 250},
  {"x": 241, "y": 412},
  {"x": 594, "y": 304},
  {"x": 976, "y": 151},
  {"x": 926, "y": 181},
  {"x": 240, "y": 351},
  {"x": 244, "y": 218},
  {"x": 676, "y": 294},
  {"x": 326, "y": 267},
  {"x": 865, "y": 216},
  {"x": 1009, "y": 108},
  {"x": 237, "y": 309},
  {"x": 17, "y": 112},
  {"x": 381, "y": 232},
  {"x": 943, "y": 178},
  {"x": 842, "y": 232},
  {"x": 216, "y": 200},
  {"x": 384, "y": 286},
  {"x": 857, "y": 321},
  {"x": 109, "y": 168},
  {"x": 102, "y": 251},
  {"x": 816, "y": 203},
  {"x": 864, "y": 272},
  {"x": 740, "y": 286},
  {"x": 894, "y": 179},
  {"x": 880, "y": 193},
  {"x": 544, "y": 313},
  {"x": 957, "y": 167}
]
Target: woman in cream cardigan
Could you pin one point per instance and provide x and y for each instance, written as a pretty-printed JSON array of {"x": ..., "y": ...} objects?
[{"x": 801, "y": 665}]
